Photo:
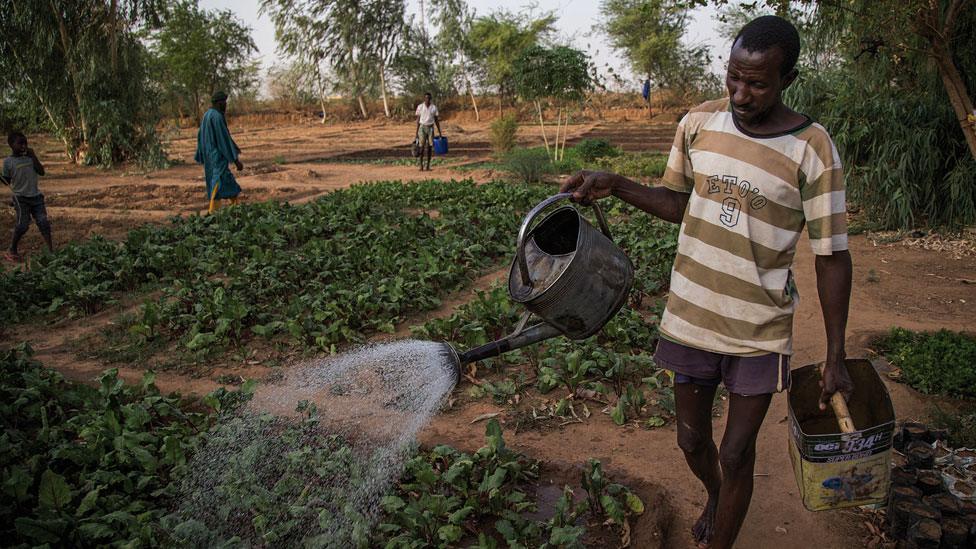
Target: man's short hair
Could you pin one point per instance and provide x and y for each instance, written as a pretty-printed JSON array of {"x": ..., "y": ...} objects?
[
  {"x": 427, "y": 94},
  {"x": 763, "y": 33},
  {"x": 13, "y": 136}
]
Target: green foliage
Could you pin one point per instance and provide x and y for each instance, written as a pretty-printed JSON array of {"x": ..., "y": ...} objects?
[
  {"x": 86, "y": 466},
  {"x": 934, "y": 363},
  {"x": 81, "y": 69},
  {"x": 608, "y": 500},
  {"x": 347, "y": 39},
  {"x": 528, "y": 165},
  {"x": 199, "y": 52},
  {"x": 589, "y": 150},
  {"x": 320, "y": 274},
  {"x": 497, "y": 40},
  {"x": 504, "y": 132},
  {"x": 559, "y": 73},
  {"x": 444, "y": 495},
  {"x": 648, "y": 33},
  {"x": 639, "y": 164}
]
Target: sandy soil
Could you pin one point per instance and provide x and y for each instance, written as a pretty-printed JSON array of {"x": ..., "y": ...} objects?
[{"x": 894, "y": 285}]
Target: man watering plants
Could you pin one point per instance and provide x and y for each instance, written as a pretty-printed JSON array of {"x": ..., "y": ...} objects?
[
  {"x": 216, "y": 150},
  {"x": 745, "y": 174}
]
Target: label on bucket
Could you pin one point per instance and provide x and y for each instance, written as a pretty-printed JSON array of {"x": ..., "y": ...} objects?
[{"x": 842, "y": 447}]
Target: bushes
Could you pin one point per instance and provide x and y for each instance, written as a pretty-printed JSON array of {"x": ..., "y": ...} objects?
[
  {"x": 635, "y": 164},
  {"x": 589, "y": 150},
  {"x": 936, "y": 363},
  {"x": 84, "y": 466},
  {"x": 528, "y": 165},
  {"x": 504, "y": 131}
]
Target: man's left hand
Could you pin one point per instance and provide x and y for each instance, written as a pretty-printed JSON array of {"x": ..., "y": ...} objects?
[
  {"x": 835, "y": 379},
  {"x": 239, "y": 165}
]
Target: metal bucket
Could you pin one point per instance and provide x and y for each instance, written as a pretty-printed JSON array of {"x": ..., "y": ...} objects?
[
  {"x": 567, "y": 272},
  {"x": 834, "y": 469}
]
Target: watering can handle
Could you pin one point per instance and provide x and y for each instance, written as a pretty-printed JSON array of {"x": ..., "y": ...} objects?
[{"x": 524, "y": 230}]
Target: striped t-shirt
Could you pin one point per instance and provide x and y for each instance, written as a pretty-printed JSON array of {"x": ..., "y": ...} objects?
[{"x": 731, "y": 285}]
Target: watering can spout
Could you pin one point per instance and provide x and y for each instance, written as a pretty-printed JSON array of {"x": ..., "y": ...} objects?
[{"x": 517, "y": 340}]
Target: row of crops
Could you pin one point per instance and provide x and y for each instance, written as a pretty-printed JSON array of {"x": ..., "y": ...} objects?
[{"x": 85, "y": 466}]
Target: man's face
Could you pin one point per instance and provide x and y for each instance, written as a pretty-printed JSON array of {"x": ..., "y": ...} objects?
[
  {"x": 755, "y": 84},
  {"x": 221, "y": 105},
  {"x": 19, "y": 146},
  {"x": 427, "y": 99}
]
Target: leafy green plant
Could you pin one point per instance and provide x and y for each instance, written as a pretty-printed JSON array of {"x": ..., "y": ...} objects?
[
  {"x": 634, "y": 164},
  {"x": 86, "y": 466},
  {"x": 589, "y": 150},
  {"x": 608, "y": 500},
  {"x": 528, "y": 165},
  {"x": 935, "y": 363},
  {"x": 504, "y": 132}
]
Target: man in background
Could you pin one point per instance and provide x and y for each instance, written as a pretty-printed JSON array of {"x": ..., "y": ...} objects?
[
  {"x": 216, "y": 150},
  {"x": 426, "y": 120}
]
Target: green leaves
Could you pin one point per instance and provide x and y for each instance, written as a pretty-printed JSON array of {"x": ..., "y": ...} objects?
[
  {"x": 54, "y": 492},
  {"x": 84, "y": 465}
]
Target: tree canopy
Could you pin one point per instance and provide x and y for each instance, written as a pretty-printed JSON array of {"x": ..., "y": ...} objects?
[
  {"x": 648, "y": 33},
  {"x": 199, "y": 52}
]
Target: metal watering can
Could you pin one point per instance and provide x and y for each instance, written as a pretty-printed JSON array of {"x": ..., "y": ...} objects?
[{"x": 566, "y": 272}]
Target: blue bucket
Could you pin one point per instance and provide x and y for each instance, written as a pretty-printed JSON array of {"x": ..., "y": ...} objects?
[{"x": 440, "y": 145}]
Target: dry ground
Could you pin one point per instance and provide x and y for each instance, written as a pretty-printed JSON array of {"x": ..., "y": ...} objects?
[{"x": 895, "y": 284}]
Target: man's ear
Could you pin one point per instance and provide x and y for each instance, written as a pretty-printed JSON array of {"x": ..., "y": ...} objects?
[{"x": 790, "y": 78}]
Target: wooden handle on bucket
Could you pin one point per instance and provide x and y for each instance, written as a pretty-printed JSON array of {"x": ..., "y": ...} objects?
[{"x": 839, "y": 405}]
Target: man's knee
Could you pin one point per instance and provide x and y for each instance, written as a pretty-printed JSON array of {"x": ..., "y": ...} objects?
[
  {"x": 691, "y": 440},
  {"x": 44, "y": 226},
  {"x": 735, "y": 457}
]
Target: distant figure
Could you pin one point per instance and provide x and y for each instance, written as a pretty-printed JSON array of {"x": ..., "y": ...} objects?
[
  {"x": 646, "y": 94},
  {"x": 20, "y": 171},
  {"x": 426, "y": 120},
  {"x": 215, "y": 150}
]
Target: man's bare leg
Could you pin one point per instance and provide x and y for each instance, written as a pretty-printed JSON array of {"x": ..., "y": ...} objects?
[
  {"x": 693, "y": 404},
  {"x": 738, "y": 461}
]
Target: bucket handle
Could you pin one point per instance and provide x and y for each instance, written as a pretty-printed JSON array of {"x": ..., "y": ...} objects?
[{"x": 533, "y": 213}]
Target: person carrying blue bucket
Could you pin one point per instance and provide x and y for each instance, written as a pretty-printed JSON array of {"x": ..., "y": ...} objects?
[
  {"x": 216, "y": 150},
  {"x": 426, "y": 120}
]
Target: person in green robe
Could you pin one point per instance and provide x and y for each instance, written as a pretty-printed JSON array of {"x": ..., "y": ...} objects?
[{"x": 216, "y": 150}]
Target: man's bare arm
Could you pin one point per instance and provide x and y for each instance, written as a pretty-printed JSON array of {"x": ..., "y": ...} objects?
[
  {"x": 658, "y": 201},
  {"x": 834, "y": 274}
]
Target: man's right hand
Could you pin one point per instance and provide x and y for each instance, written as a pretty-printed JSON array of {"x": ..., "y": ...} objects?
[
  {"x": 239, "y": 165},
  {"x": 588, "y": 186}
]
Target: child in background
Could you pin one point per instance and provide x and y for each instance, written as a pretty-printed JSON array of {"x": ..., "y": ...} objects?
[{"x": 20, "y": 171}]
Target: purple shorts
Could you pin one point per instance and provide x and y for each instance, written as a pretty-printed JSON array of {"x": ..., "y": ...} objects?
[{"x": 742, "y": 375}]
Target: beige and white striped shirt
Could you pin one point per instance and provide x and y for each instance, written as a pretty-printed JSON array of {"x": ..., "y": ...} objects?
[{"x": 731, "y": 285}]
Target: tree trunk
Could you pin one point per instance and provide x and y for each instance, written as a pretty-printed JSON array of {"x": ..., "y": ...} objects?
[
  {"x": 565, "y": 135},
  {"x": 474, "y": 103},
  {"x": 962, "y": 105},
  {"x": 113, "y": 34},
  {"x": 322, "y": 105},
  {"x": 940, "y": 34},
  {"x": 542, "y": 124},
  {"x": 559, "y": 120},
  {"x": 72, "y": 71},
  {"x": 386, "y": 106},
  {"x": 362, "y": 105}
]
